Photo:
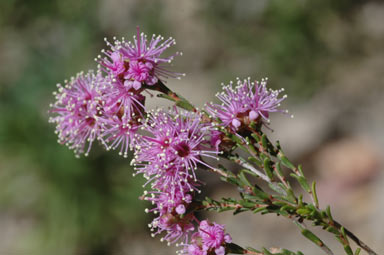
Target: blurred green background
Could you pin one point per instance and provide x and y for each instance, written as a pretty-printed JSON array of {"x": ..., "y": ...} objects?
[{"x": 327, "y": 54}]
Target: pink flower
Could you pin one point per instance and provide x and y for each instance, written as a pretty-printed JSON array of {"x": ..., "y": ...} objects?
[
  {"x": 210, "y": 239},
  {"x": 117, "y": 65},
  {"x": 120, "y": 132},
  {"x": 216, "y": 139},
  {"x": 78, "y": 110},
  {"x": 175, "y": 227},
  {"x": 138, "y": 73},
  {"x": 247, "y": 102},
  {"x": 194, "y": 249},
  {"x": 212, "y": 234},
  {"x": 140, "y": 62},
  {"x": 170, "y": 154}
]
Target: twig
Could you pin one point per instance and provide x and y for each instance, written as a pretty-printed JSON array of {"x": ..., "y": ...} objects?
[{"x": 355, "y": 239}]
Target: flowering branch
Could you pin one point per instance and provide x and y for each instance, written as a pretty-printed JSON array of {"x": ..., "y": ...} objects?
[{"x": 109, "y": 106}]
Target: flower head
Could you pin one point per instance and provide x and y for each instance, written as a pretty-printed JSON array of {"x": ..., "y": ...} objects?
[
  {"x": 176, "y": 228},
  {"x": 247, "y": 102},
  {"x": 176, "y": 202},
  {"x": 213, "y": 235},
  {"x": 140, "y": 62},
  {"x": 171, "y": 152},
  {"x": 123, "y": 101},
  {"x": 209, "y": 239},
  {"x": 78, "y": 108}
]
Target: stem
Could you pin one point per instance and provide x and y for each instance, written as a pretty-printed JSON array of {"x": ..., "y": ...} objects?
[
  {"x": 222, "y": 205},
  {"x": 356, "y": 239},
  {"x": 170, "y": 95},
  {"x": 233, "y": 248},
  {"x": 242, "y": 162}
]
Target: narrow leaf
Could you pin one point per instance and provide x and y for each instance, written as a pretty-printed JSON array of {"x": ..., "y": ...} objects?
[
  {"x": 314, "y": 194},
  {"x": 311, "y": 236},
  {"x": 328, "y": 212},
  {"x": 284, "y": 160},
  {"x": 267, "y": 168}
]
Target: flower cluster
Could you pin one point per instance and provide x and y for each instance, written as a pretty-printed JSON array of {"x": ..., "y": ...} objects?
[
  {"x": 109, "y": 105},
  {"x": 168, "y": 158},
  {"x": 247, "y": 102},
  {"x": 209, "y": 239},
  {"x": 138, "y": 63},
  {"x": 78, "y": 108}
]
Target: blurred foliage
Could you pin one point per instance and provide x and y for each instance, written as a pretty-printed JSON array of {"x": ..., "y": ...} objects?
[
  {"x": 88, "y": 204},
  {"x": 286, "y": 34}
]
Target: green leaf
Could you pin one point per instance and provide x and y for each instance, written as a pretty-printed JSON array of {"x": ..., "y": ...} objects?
[
  {"x": 264, "y": 141},
  {"x": 302, "y": 181},
  {"x": 256, "y": 137},
  {"x": 260, "y": 194},
  {"x": 314, "y": 194},
  {"x": 291, "y": 196},
  {"x": 229, "y": 200},
  {"x": 348, "y": 249},
  {"x": 239, "y": 210},
  {"x": 284, "y": 160},
  {"x": 267, "y": 168},
  {"x": 278, "y": 169},
  {"x": 287, "y": 208},
  {"x": 250, "y": 197},
  {"x": 301, "y": 170},
  {"x": 343, "y": 232},
  {"x": 279, "y": 203},
  {"x": 332, "y": 230},
  {"x": 234, "y": 248},
  {"x": 223, "y": 209},
  {"x": 277, "y": 188},
  {"x": 328, "y": 212},
  {"x": 247, "y": 204},
  {"x": 303, "y": 211},
  {"x": 209, "y": 200},
  {"x": 260, "y": 209},
  {"x": 236, "y": 139},
  {"x": 165, "y": 96},
  {"x": 254, "y": 125},
  {"x": 266, "y": 252},
  {"x": 250, "y": 145},
  {"x": 312, "y": 237},
  {"x": 249, "y": 172},
  {"x": 255, "y": 160},
  {"x": 182, "y": 103},
  {"x": 357, "y": 252},
  {"x": 315, "y": 213},
  {"x": 300, "y": 202},
  {"x": 244, "y": 179},
  {"x": 233, "y": 181}
]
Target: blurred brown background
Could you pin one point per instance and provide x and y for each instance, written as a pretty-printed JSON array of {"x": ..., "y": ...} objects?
[{"x": 327, "y": 54}]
